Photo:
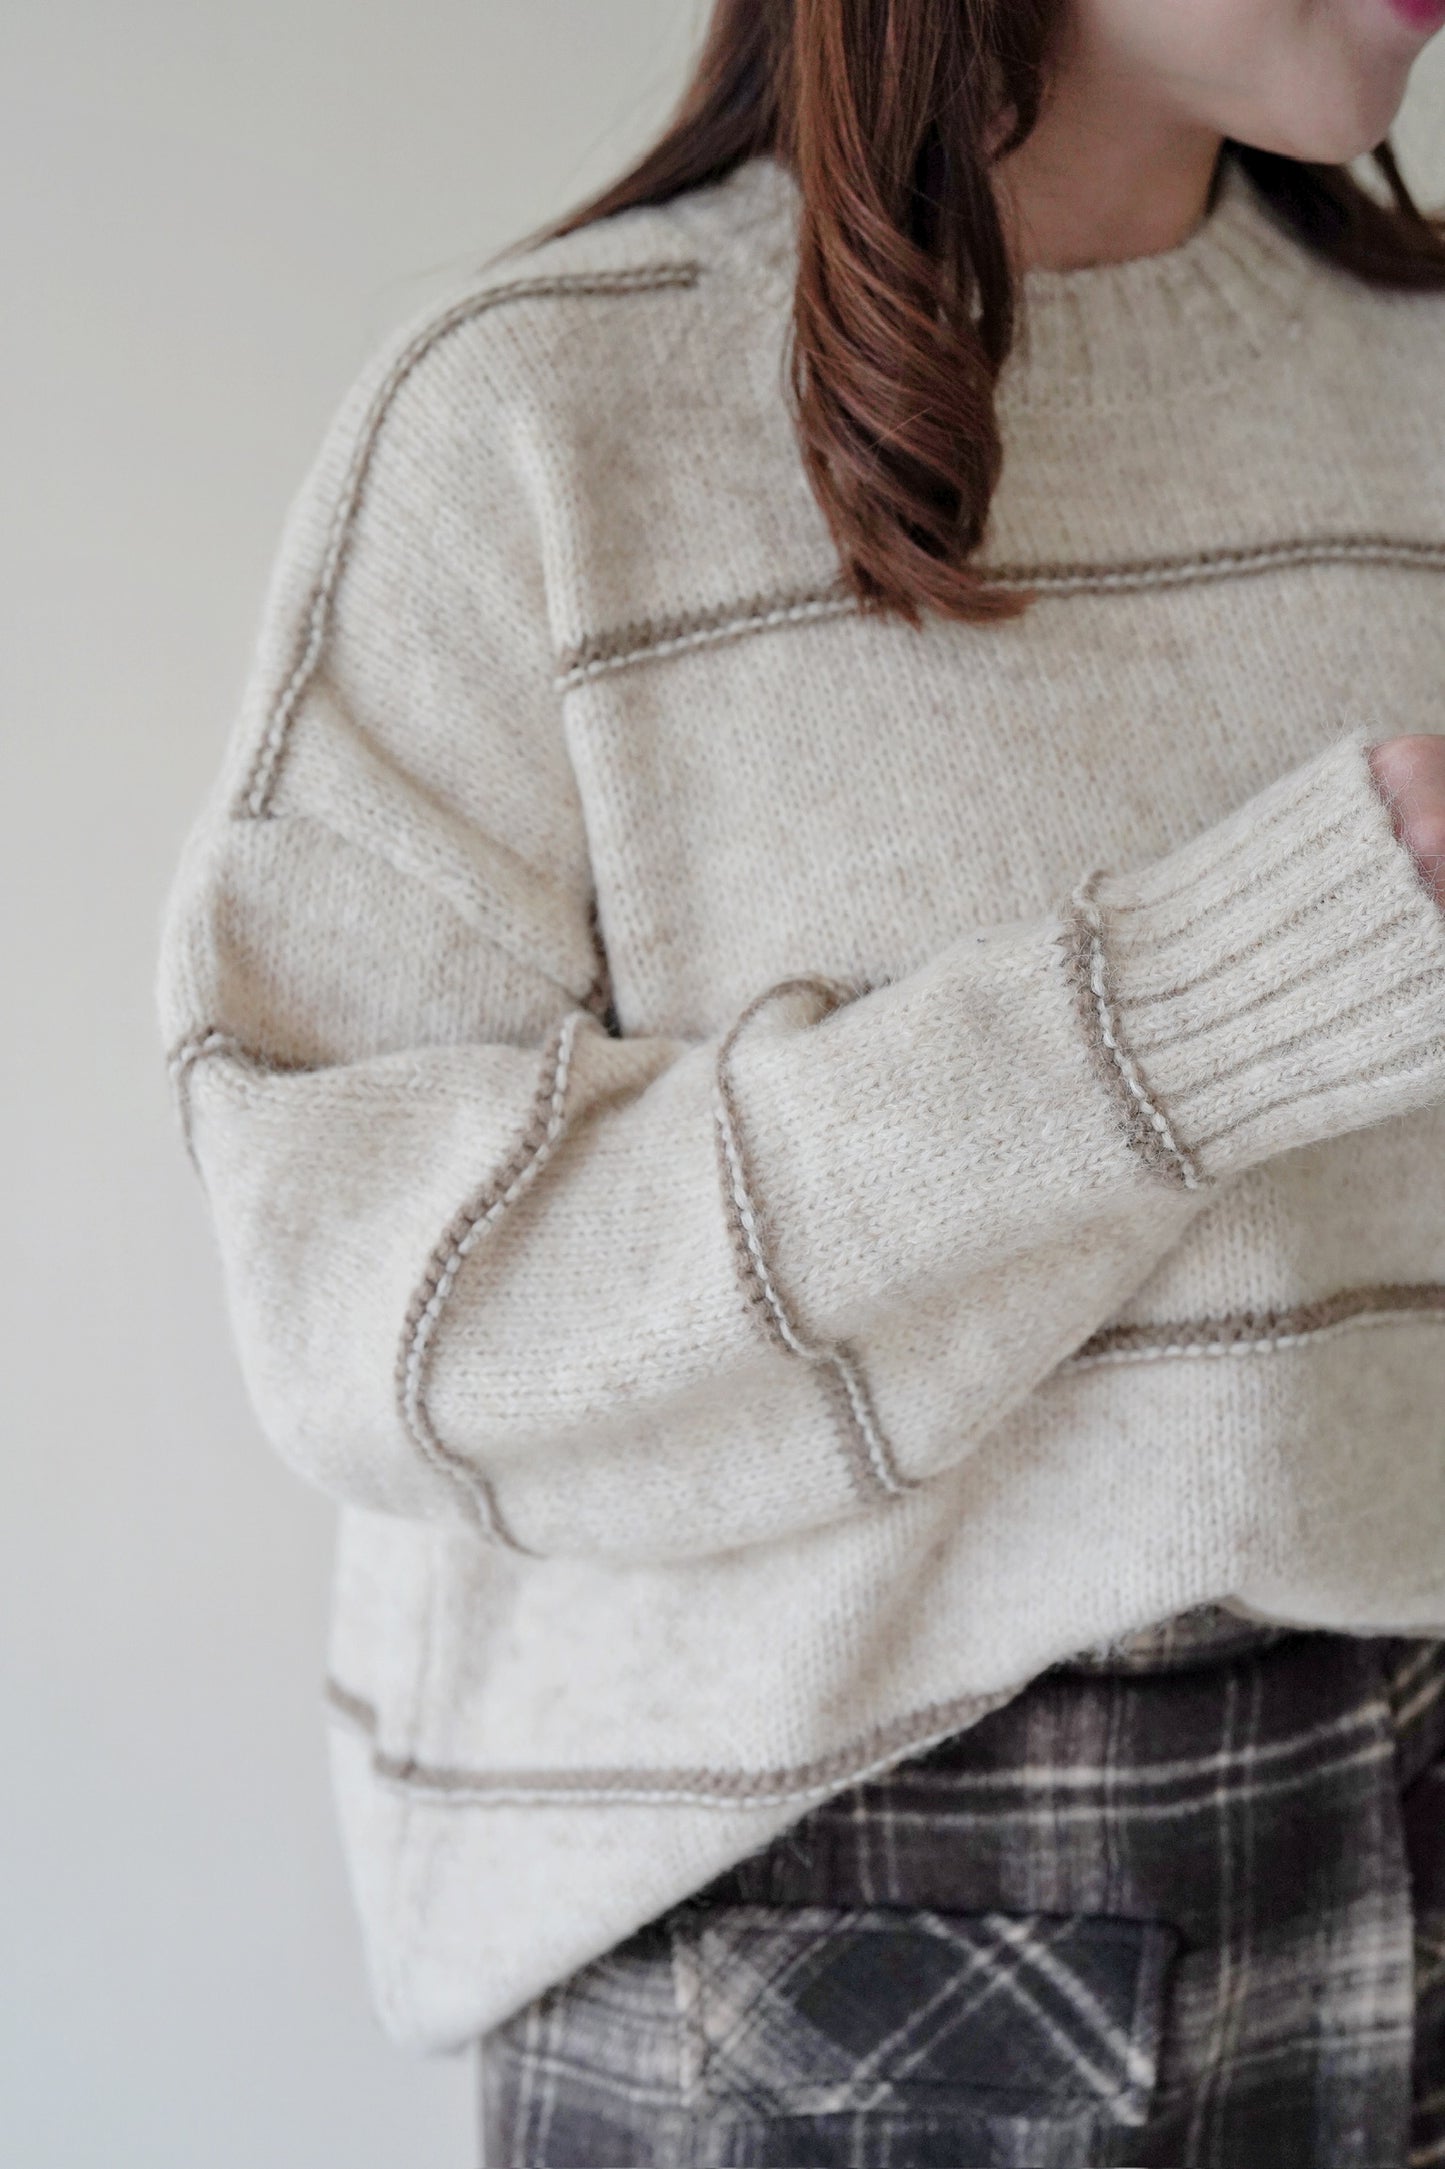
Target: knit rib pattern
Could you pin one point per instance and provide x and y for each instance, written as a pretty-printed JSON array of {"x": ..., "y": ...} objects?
[{"x": 1287, "y": 972}]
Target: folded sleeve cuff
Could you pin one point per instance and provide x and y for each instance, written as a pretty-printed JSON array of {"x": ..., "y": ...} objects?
[{"x": 1278, "y": 980}]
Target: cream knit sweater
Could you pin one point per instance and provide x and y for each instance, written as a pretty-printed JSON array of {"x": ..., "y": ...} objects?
[{"x": 790, "y": 1172}]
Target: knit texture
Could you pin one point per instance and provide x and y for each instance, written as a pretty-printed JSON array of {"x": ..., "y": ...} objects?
[{"x": 786, "y": 1171}]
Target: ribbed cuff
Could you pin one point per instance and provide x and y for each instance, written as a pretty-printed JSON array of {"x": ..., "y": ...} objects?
[{"x": 1278, "y": 980}]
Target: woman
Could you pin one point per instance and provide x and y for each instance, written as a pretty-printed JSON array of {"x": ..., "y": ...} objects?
[{"x": 812, "y": 1004}]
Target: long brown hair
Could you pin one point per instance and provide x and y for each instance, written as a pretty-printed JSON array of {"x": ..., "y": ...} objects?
[{"x": 889, "y": 114}]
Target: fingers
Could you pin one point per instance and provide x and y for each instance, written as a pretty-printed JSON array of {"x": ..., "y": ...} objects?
[{"x": 1409, "y": 773}]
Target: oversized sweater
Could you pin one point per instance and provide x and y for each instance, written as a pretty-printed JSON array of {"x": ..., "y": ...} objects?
[{"x": 790, "y": 1171}]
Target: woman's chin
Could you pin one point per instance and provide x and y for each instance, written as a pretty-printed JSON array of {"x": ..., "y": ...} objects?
[{"x": 1334, "y": 136}]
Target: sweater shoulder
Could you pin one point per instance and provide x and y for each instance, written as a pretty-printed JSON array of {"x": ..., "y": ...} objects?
[
  {"x": 563, "y": 321},
  {"x": 604, "y": 410},
  {"x": 544, "y": 358}
]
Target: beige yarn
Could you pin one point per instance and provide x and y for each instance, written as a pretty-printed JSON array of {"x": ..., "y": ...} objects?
[{"x": 1006, "y": 1209}]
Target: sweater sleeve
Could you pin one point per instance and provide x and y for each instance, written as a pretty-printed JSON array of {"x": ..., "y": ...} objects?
[{"x": 640, "y": 1298}]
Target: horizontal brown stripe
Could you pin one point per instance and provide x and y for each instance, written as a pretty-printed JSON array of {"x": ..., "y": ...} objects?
[
  {"x": 865, "y": 1757},
  {"x": 649, "y": 639},
  {"x": 652, "y": 639},
  {"x": 1288, "y": 1759},
  {"x": 1248, "y": 1332}
]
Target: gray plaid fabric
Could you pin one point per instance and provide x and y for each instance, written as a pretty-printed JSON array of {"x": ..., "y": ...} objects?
[{"x": 1181, "y": 1902}]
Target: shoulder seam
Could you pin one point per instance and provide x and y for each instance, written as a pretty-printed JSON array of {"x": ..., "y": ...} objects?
[{"x": 254, "y": 799}]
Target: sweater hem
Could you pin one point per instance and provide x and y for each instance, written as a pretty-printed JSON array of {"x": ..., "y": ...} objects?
[{"x": 809, "y": 1781}]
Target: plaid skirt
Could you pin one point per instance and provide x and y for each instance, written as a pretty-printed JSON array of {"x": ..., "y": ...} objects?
[{"x": 1182, "y": 1902}]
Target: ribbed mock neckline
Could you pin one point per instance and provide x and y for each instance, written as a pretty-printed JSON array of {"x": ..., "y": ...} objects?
[{"x": 1179, "y": 320}]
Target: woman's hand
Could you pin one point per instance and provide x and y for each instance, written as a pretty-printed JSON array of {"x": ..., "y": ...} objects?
[{"x": 1410, "y": 774}]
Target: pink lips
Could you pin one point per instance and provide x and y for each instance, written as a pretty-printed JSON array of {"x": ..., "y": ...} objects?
[{"x": 1421, "y": 14}]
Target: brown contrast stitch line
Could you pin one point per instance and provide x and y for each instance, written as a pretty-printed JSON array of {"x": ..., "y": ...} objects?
[
  {"x": 1260, "y": 1332},
  {"x": 1223, "y": 564},
  {"x": 208, "y": 1045},
  {"x": 533, "y": 1149},
  {"x": 649, "y": 640},
  {"x": 876, "y": 1751},
  {"x": 884, "y": 1745},
  {"x": 657, "y": 637},
  {"x": 872, "y": 1466},
  {"x": 256, "y": 791},
  {"x": 1145, "y": 1124},
  {"x": 870, "y": 1458}
]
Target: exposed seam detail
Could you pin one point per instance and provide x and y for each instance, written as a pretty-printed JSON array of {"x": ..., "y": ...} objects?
[
  {"x": 255, "y": 795},
  {"x": 872, "y": 1467},
  {"x": 200, "y": 1044},
  {"x": 1261, "y": 1333},
  {"x": 501, "y": 1189},
  {"x": 1225, "y": 564},
  {"x": 875, "y": 1472},
  {"x": 207, "y": 1045},
  {"x": 674, "y": 636},
  {"x": 875, "y": 1752},
  {"x": 179, "y": 1064},
  {"x": 650, "y": 640},
  {"x": 1145, "y": 1123}
]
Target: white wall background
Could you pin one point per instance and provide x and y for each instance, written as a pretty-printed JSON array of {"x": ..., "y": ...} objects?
[{"x": 217, "y": 210}]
